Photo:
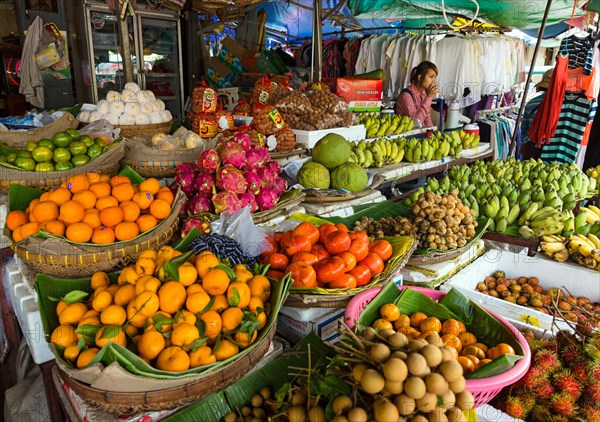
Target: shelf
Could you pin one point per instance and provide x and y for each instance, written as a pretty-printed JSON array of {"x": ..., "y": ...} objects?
[
  {"x": 160, "y": 75},
  {"x": 169, "y": 98}
]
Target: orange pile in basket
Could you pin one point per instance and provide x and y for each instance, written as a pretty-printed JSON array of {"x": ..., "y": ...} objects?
[{"x": 94, "y": 208}]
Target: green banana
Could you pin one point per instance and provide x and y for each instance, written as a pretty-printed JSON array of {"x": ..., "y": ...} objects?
[
  {"x": 513, "y": 214},
  {"x": 533, "y": 207}
]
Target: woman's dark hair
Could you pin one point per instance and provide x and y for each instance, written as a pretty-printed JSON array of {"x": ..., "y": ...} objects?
[{"x": 421, "y": 70}]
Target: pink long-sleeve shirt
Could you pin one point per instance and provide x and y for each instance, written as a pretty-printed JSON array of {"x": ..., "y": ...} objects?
[{"x": 416, "y": 106}]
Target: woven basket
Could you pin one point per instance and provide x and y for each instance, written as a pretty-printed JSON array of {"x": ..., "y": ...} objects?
[
  {"x": 107, "y": 163},
  {"x": 212, "y": 382},
  {"x": 210, "y": 6},
  {"x": 84, "y": 260},
  {"x": 144, "y": 131},
  {"x": 435, "y": 257},
  {"x": 148, "y": 161},
  {"x": 230, "y": 13}
]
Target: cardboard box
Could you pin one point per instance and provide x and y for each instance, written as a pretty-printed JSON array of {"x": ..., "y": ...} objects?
[
  {"x": 295, "y": 323},
  {"x": 231, "y": 54},
  {"x": 361, "y": 94},
  {"x": 218, "y": 75}
]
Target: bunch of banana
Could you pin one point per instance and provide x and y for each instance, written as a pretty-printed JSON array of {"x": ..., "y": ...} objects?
[
  {"x": 468, "y": 140},
  {"x": 385, "y": 124},
  {"x": 536, "y": 222},
  {"x": 585, "y": 250},
  {"x": 379, "y": 152},
  {"x": 593, "y": 172},
  {"x": 554, "y": 247}
]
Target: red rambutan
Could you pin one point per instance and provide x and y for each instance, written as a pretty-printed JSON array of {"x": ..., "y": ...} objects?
[
  {"x": 580, "y": 372},
  {"x": 527, "y": 399},
  {"x": 545, "y": 391},
  {"x": 563, "y": 404},
  {"x": 541, "y": 413},
  {"x": 534, "y": 377},
  {"x": 592, "y": 392},
  {"x": 547, "y": 360},
  {"x": 591, "y": 414},
  {"x": 566, "y": 382},
  {"x": 557, "y": 418},
  {"x": 594, "y": 371},
  {"x": 514, "y": 407}
]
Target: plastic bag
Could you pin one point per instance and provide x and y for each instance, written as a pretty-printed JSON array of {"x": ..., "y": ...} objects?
[
  {"x": 328, "y": 101},
  {"x": 101, "y": 128},
  {"x": 295, "y": 102},
  {"x": 240, "y": 227}
]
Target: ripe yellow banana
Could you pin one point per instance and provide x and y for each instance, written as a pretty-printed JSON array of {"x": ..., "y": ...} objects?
[
  {"x": 594, "y": 209},
  {"x": 585, "y": 250},
  {"x": 590, "y": 216},
  {"x": 561, "y": 256},
  {"x": 594, "y": 239},
  {"x": 552, "y": 247},
  {"x": 586, "y": 240}
]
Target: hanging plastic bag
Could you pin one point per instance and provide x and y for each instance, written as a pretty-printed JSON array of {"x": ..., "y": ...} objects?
[
  {"x": 239, "y": 226},
  {"x": 101, "y": 129}
]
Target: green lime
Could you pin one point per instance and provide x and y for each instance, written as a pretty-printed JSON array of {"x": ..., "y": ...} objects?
[
  {"x": 80, "y": 160},
  {"x": 23, "y": 154},
  {"x": 11, "y": 157},
  {"x": 25, "y": 163},
  {"x": 87, "y": 140},
  {"x": 44, "y": 167},
  {"x": 42, "y": 154},
  {"x": 62, "y": 155},
  {"x": 78, "y": 148},
  {"x": 94, "y": 151},
  {"x": 46, "y": 143},
  {"x": 63, "y": 166},
  {"x": 61, "y": 139},
  {"x": 3, "y": 158},
  {"x": 73, "y": 134},
  {"x": 29, "y": 146}
]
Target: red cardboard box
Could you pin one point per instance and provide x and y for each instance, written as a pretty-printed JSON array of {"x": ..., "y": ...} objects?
[{"x": 361, "y": 94}]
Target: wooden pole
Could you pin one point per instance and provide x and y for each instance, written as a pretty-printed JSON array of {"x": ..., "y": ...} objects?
[
  {"x": 317, "y": 42},
  {"x": 125, "y": 47}
]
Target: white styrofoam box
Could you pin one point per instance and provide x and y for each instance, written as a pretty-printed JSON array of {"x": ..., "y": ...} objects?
[
  {"x": 309, "y": 138},
  {"x": 487, "y": 413},
  {"x": 323, "y": 323},
  {"x": 578, "y": 280},
  {"x": 230, "y": 96}
]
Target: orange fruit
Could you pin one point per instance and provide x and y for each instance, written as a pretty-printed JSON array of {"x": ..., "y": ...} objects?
[
  {"x": 123, "y": 192},
  {"x": 220, "y": 303},
  {"x": 150, "y": 185},
  {"x": 171, "y": 296},
  {"x": 165, "y": 194},
  {"x": 467, "y": 364},
  {"x": 146, "y": 222},
  {"x": 262, "y": 318},
  {"x": 86, "y": 198},
  {"x": 102, "y": 300},
  {"x": 150, "y": 344},
  {"x": 73, "y": 313},
  {"x": 128, "y": 276},
  {"x": 45, "y": 211},
  {"x": 481, "y": 346},
  {"x": 117, "y": 179},
  {"x": 91, "y": 313},
  {"x": 231, "y": 318},
  {"x": 15, "y": 219},
  {"x": 467, "y": 339},
  {"x": 173, "y": 359},
  {"x": 126, "y": 230},
  {"x": 255, "y": 303},
  {"x": 103, "y": 235},
  {"x": 500, "y": 349},
  {"x": 143, "y": 199},
  {"x": 215, "y": 282},
  {"x": 204, "y": 262},
  {"x": 197, "y": 302},
  {"x": 112, "y": 289},
  {"x": 155, "y": 322},
  {"x": 79, "y": 232},
  {"x": 125, "y": 294},
  {"x": 63, "y": 335},
  {"x": 183, "y": 335},
  {"x": 244, "y": 339},
  {"x": 61, "y": 307},
  {"x": 260, "y": 286},
  {"x": 194, "y": 288},
  {"x": 111, "y": 216},
  {"x": 16, "y": 235},
  {"x": 147, "y": 302},
  {"x": 430, "y": 324},
  {"x": 78, "y": 183},
  {"x": 105, "y": 202},
  {"x": 202, "y": 356},
  {"x": 242, "y": 273},
  {"x": 134, "y": 317},
  {"x": 59, "y": 196},
  {"x": 147, "y": 282},
  {"x": 450, "y": 326},
  {"x": 225, "y": 350},
  {"x": 131, "y": 211},
  {"x": 453, "y": 341},
  {"x": 474, "y": 350},
  {"x": 90, "y": 320},
  {"x": 403, "y": 321},
  {"x": 93, "y": 177},
  {"x": 382, "y": 324},
  {"x": 71, "y": 352},
  {"x": 212, "y": 324},
  {"x": 100, "y": 279},
  {"x": 165, "y": 252},
  {"x": 187, "y": 274},
  {"x": 160, "y": 208},
  {"x": 145, "y": 266},
  {"x": 148, "y": 253},
  {"x": 389, "y": 312},
  {"x": 100, "y": 189},
  {"x": 44, "y": 196},
  {"x": 86, "y": 357},
  {"x": 72, "y": 212},
  {"x": 32, "y": 204},
  {"x": 92, "y": 217},
  {"x": 184, "y": 316},
  {"x": 28, "y": 229},
  {"x": 238, "y": 292},
  {"x": 416, "y": 318},
  {"x": 114, "y": 334},
  {"x": 114, "y": 315},
  {"x": 131, "y": 331},
  {"x": 54, "y": 226}
]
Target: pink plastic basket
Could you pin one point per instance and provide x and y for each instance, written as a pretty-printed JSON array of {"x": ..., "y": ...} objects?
[{"x": 484, "y": 389}]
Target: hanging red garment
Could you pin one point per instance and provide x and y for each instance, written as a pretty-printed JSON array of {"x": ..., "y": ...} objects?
[{"x": 546, "y": 118}]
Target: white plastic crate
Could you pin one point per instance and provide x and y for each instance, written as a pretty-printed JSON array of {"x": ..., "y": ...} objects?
[
  {"x": 577, "y": 280},
  {"x": 308, "y": 138}
]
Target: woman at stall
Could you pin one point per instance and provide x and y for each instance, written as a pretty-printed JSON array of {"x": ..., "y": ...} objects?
[{"x": 415, "y": 101}]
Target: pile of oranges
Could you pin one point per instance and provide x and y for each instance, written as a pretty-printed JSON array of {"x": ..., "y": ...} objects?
[
  {"x": 470, "y": 353},
  {"x": 329, "y": 256},
  {"x": 94, "y": 208},
  {"x": 199, "y": 313}
]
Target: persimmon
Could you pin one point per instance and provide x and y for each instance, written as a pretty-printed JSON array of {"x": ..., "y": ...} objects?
[
  {"x": 383, "y": 248},
  {"x": 277, "y": 261},
  {"x": 349, "y": 261},
  {"x": 359, "y": 234},
  {"x": 325, "y": 229},
  {"x": 277, "y": 275},
  {"x": 337, "y": 242},
  {"x": 303, "y": 275},
  {"x": 374, "y": 262},
  {"x": 271, "y": 247},
  {"x": 341, "y": 227},
  {"x": 305, "y": 257},
  {"x": 320, "y": 252},
  {"x": 345, "y": 281},
  {"x": 362, "y": 274},
  {"x": 309, "y": 230},
  {"x": 329, "y": 269},
  {"x": 295, "y": 244},
  {"x": 359, "y": 248}
]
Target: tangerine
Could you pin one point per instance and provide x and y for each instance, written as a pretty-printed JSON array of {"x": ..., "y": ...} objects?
[
  {"x": 244, "y": 339},
  {"x": 131, "y": 211},
  {"x": 450, "y": 326},
  {"x": 72, "y": 212},
  {"x": 220, "y": 303},
  {"x": 100, "y": 189},
  {"x": 54, "y": 226},
  {"x": 45, "y": 211},
  {"x": 113, "y": 333},
  {"x": 79, "y": 232},
  {"x": 260, "y": 286},
  {"x": 184, "y": 316},
  {"x": 102, "y": 300},
  {"x": 467, "y": 339},
  {"x": 158, "y": 323},
  {"x": 72, "y": 313},
  {"x": 389, "y": 312},
  {"x": 86, "y": 198},
  {"x": 146, "y": 222},
  {"x": 128, "y": 276},
  {"x": 184, "y": 334},
  {"x": 151, "y": 185},
  {"x": 165, "y": 194},
  {"x": 118, "y": 179},
  {"x": 105, "y": 202},
  {"x": 205, "y": 261},
  {"x": 113, "y": 315},
  {"x": 124, "y": 295},
  {"x": 100, "y": 279},
  {"x": 202, "y": 356},
  {"x": 171, "y": 296},
  {"x": 59, "y": 196},
  {"x": 212, "y": 323},
  {"x": 216, "y": 282},
  {"x": 78, "y": 183},
  {"x": 382, "y": 324},
  {"x": 231, "y": 318},
  {"x": 255, "y": 304},
  {"x": 453, "y": 341},
  {"x": 63, "y": 335},
  {"x": 143, "y": 199},
  {"x": 71, "y": 352},
  {"x": 173, "y": 359},
  {"x": 147, "y": 302},
  {"x": 111, "y": 216},
  {"x": 103, "y": 235},
  {"x": 197, "y": 302},
  {"x": 225, "y": 350},
  {"x": 86, "y": 357},
  {"x": 126, "y": 230},
  {"x": 92, "y": 217},
  {"x": 150, "y": 344},
  {"x": 160, "y": 209},
  {"x": 135, "y": 318},
  {"x": 15, "y": 219},
  {"x": 430, "y": 324},
  {"x": 187, "y": 274},
  {"x": 145, "y": 266},
  {"x": 123, "y": 192},
  {"x": 238, "y": 294},
  {"x": 416, "y": 318},
  {"x": 28, "y": 229}
]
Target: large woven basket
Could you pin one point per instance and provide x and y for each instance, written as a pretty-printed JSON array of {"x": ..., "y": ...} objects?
[
  {"x": 83, "y": 260},
  {"x": 144, "y": 131},
  {"x": 210, "y": 383},
  {"x": 107, "y": 163}
]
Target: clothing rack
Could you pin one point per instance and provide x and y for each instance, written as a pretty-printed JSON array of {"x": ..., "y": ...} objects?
[
  {"x": 379, "y": 28},
  {"x": 487, "y": 112}
]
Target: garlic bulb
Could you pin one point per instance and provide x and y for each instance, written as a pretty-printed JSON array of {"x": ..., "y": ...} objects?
[
  {"x": 132, "y": 108},
  {"x": 155, "y": 105},
  {"x": 113, "y": 96},
  {"x": 129, "y": 96},
  {"x": 102, "y": 106},
  {"x": 166, "y": 115},
  {"x": 83, "y": 116},
  {"x": 161, "y": 104},
  {"x": 95, "y": 115},
  {"x": 149, "y": 94},
  {"x": 113, "y": 119},
  {"x": 126, "y": 120},
  {"x": 142, "y": 97},
  {"x": 146, "y": 108},
  {"x": 116, "y": 107},
  {"x": 132, "y": 86},
  {"x": 142, "y": 119},
  {"x": 156, "y": 117},
  {"x": 157, "y": 137}
]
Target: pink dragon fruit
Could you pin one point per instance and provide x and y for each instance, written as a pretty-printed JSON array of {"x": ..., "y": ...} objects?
[
  {"x": 184, "y": 178},
  {"x": 225, "y": 201},
  {"x": 254, "y": 182},
  {"x": 183, "y": 209},
  {"x": 232, "y": 153},
  {"x": 257, "y": 156},
  {"x": 280, "y": 186},
  {"x": 266, "y": 199},
  {"x": 267, "y": 176},
  {"x": 274, "y": 166},
  {"x": 197, "y": 223},
  {"x": 185, "y": 168},
  {"x": 248, "y": 199},
  {"x": 243, "y": 139},
  {"x": 199, "y": 204},
  {"x": 208, "y": 161},
  {"x": 204, "y": 183},
  {"x": 232, "y": 179}
]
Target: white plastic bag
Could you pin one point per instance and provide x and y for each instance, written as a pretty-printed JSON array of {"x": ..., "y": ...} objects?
[{"x": 239, "y": 226}]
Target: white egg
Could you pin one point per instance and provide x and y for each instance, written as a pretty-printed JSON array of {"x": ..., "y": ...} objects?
[
  {"x": 142, "y": 119},
  {"x": 161, "y": 104},
  {"x": 83, "y": 116},
  {"x": 102, "y": 106},
  {"x": 132, "y": 86},
  {"x": 113, "y": 119},
  {"x": 116, "y": 107},
  {"x": 150, "y": 94},
  {"x": 142, "y": 97},
  {"x": 146, "y": 108},
  {"x": 113, "y": 96},
  {"x": 126, "y": 120},
  {"x": 132, "y": 108},
  {"x": 166, "y": 115},
  {"x": 96, "y": 115},
  {"x": 156, "y": 117},
  {"x": 129, "y": 96}
]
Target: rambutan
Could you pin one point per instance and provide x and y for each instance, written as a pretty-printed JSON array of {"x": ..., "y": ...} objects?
[
  {"x": 563, "y": 404},
  {"x": 571, "y": 353},
  {"x": 541, "y": 413},
  {"x": 514, "y": 407},
  {"x": 591, "y": 414},
  {"x": 580, "y": 372},
  {"x": 534, "y": 377},
  {"x": 557, "y": 418},
  {"x": 566, "y": 382},
  {"x": 592, "y": 392},
  {"x": 545, "y": 391},
  {"x": 593, "y": 369},
  {"x": 527, "y": 400},
  {"x": 547, "y": 360},
  {"x": 592, "y": 350}
]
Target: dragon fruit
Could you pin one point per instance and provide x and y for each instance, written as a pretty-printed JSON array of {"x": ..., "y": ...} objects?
[
  {"x": 197, "y": 223},
  {"x": 184, "y": 179},
  {"x": 199, "y": 204},
  {"x": 183, "y": 209},
  {"x": 243, "y": 139},
  {"x": 185, "y": 168},
  {"x": 257, "y": 156},
  {"x": 280, "y": 186},
  {"x": 266, "y": 199},
  {"x": 225, "y": 201},
  {"x": 274, "y": 166},
  {"x": 208, "y": 161},
  {"x": 231, "y": 179},
  {"x": 232, "y": 153},
  {"x": 254, "y": 182},
  {"x": 248, "y": 199},
  {"x": 204, "y": 183},
  {"x": 267, "y": 176}
]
